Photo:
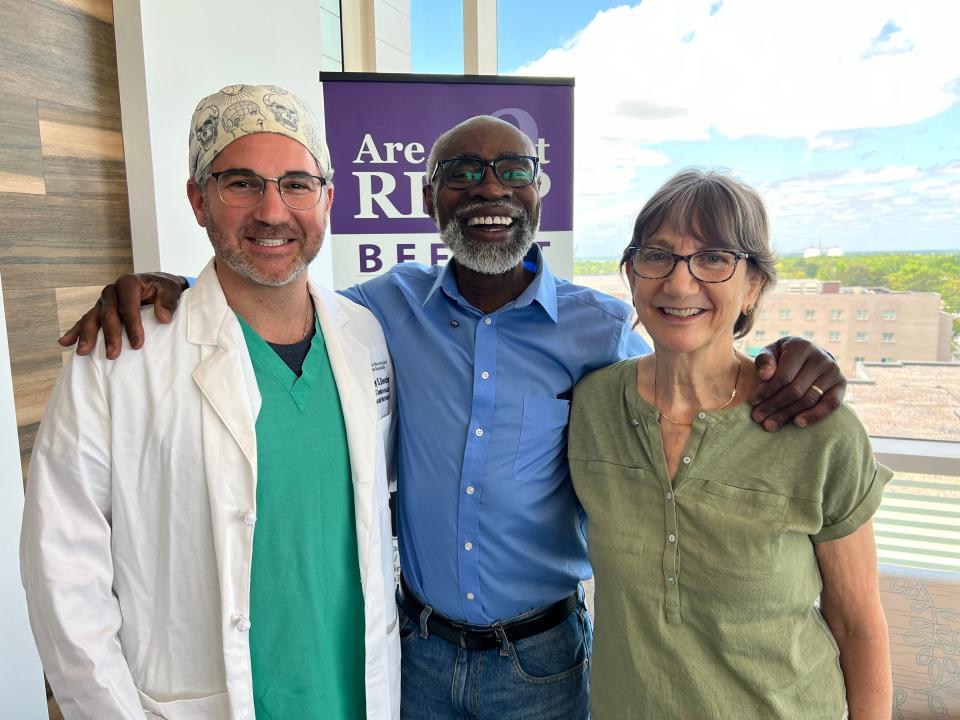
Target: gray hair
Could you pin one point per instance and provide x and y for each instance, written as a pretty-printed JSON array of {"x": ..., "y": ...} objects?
[
  {"x": 434, "y": 157},
  {"x": 718, "y": 210},
  {"x": 203, "y": 175}
]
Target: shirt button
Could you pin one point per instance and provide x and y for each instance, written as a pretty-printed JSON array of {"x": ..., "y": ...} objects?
[
  {"x": 454, "y": 323},
  {"x": 669, "y": 496},
  {"x": 240, "y": 621},
  {"x": 470, "y": 596},
  {"x": 485, "y": 375},
  {"x": 468, "y": 546},
  {"x": 634, "y": 422},
  {"x": 671, "y": 537},
  {"x": 702, "y": 415},
  {"x": 471, "y": 490},
  {"x": 487, "y": 321},
  {"x": 686, "y": 460},
  {"x": 479, "y": 432},
  {"x": 671, "y": 580},
  {"x": 249, "y": 517}
]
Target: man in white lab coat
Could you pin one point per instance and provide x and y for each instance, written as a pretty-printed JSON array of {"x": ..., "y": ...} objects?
[{"x": 206, "y": 531}]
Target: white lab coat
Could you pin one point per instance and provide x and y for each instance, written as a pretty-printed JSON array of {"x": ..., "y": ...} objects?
[{"x": 141, "y": 507}]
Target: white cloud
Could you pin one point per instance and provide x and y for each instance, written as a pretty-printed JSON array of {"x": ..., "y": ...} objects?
[
  {"x": 861, "y": 210},
  {"x": 891, "y": 41},
  {"x": 669, "y": 70},
  {"x": 829, "y": 142}
]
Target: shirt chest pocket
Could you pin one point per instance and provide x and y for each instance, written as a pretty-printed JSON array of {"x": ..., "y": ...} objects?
[
  {"x": 542, "y": 449},
  {"x": 615, "y": 498},
  {"x": 733, "y": 530}
]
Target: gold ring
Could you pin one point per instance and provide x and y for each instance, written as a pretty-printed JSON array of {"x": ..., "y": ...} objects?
[{"x": 817, "y": 390}]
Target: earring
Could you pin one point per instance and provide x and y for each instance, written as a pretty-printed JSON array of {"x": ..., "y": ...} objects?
[{"x": 748, "y": 309}]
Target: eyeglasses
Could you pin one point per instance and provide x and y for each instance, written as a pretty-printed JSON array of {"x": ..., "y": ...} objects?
[
  {"x": 709, "y": 266},
  {"x": 242, "y": 188},
  {"x": 461, "y": 172}
]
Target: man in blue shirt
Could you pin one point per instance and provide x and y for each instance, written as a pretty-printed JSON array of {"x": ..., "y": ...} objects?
[{"x": 486, "y": 351}]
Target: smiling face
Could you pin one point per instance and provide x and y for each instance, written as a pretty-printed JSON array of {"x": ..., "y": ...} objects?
[
  {"x": 684, "y": 315},
  {"x": 269, "y": 243},
  {"x": 489, "y": 228}
]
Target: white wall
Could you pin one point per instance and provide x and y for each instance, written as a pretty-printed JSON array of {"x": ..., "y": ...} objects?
[
  {"x": 392, "y": 32},
  {"x": 172, "y": 53},
  {"x": 21, "y": 678}
]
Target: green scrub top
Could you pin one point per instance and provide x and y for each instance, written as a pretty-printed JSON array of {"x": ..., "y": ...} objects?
[{"x": 306, "y": 603}]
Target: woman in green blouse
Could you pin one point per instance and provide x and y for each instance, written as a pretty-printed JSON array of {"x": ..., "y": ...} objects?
[{"x": 710, "y": 538}]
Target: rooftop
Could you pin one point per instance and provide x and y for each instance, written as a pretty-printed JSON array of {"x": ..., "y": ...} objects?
[{"x": 909, "y": 399}]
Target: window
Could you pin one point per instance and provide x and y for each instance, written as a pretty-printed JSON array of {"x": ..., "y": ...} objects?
[
  {"x": 861, "y": 337},
  {"x": 886, "y": 337},
  {"x": 784, "y": 313},
  {"x": 759, "y": 334},
  {"x": 783, "y": 333},
  {"x": 808, "y": 334},
  {"x": 887, "y": 359},
  {"x": 763, "y": 313},
  {"x": 817, "y": 185},
  {"x": 858, "y": 358},
  {"x": 834, "y": 336},
  {"x": 809, "y": 314}
]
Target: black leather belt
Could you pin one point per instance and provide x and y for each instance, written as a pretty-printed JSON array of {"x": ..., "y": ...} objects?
[{"x": 474, "y": 637}]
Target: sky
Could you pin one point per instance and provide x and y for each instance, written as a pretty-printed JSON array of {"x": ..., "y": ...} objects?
[{"x": 844, "y": 114}]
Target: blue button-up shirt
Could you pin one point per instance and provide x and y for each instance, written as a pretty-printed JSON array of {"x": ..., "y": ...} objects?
[{"x": 488, "y": 524}]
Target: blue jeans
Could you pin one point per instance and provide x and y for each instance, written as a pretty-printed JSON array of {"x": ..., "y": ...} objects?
[{"x": 544, "y": 677}]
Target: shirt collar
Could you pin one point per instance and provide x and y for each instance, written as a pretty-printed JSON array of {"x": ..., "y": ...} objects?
[{"x": 542, "y": 289}]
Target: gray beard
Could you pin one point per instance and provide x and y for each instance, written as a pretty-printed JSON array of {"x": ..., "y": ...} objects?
[
  {"x": 490, "y": 258},
  {"x": 234, "y": 258}
]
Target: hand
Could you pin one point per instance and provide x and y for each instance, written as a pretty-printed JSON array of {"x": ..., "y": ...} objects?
[
  {"x": 788, "y": 369},
  {"x": 119, "y": 305}
]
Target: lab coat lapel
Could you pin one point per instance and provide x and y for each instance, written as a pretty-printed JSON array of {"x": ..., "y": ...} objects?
[
  {"x": 350, "y": 362},
  {"x": 225, "y": 375}
]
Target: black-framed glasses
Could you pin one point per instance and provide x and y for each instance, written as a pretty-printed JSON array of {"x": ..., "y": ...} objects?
[
  {"x": 709, "y": 266},
  {"x": 462, "y": 172},
  {"x": 242, "y": 188}
]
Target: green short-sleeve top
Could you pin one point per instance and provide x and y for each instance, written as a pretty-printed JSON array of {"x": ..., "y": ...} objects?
[{"x": 706, "y": 584}]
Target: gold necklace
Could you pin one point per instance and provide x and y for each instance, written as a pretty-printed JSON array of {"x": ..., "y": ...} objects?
[
  {"x": 307, "y": 320},
  {"x": 662, "y": 415}
]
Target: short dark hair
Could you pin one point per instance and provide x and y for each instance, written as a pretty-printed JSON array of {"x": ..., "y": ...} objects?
[{"x": 719, "y": 211}]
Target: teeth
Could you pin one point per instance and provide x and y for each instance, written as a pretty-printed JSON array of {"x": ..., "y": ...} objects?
[
  {"x": 490, "y": 220},
  {"x": 270, "y": 242},
  {"x": 682, "y": 312}
]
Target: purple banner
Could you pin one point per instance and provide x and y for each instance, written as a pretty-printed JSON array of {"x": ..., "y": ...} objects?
[{"x": 380, "y": 134}]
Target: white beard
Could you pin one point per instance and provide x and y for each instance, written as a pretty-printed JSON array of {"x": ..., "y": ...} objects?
[{"x": 490, "y": 258}]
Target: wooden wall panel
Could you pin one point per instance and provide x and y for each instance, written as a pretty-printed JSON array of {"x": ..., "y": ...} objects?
[
  {"x": 64, "y": 220},
  {"x": 21, "y": 165},
  {"x": 53, "y": 51},
  {"x": 70, "y": 132},
  {"x": 98, "y": 9}
]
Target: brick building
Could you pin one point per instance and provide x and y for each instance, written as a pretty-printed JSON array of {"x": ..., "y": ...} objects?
[{"x": 855, "y": 324}]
